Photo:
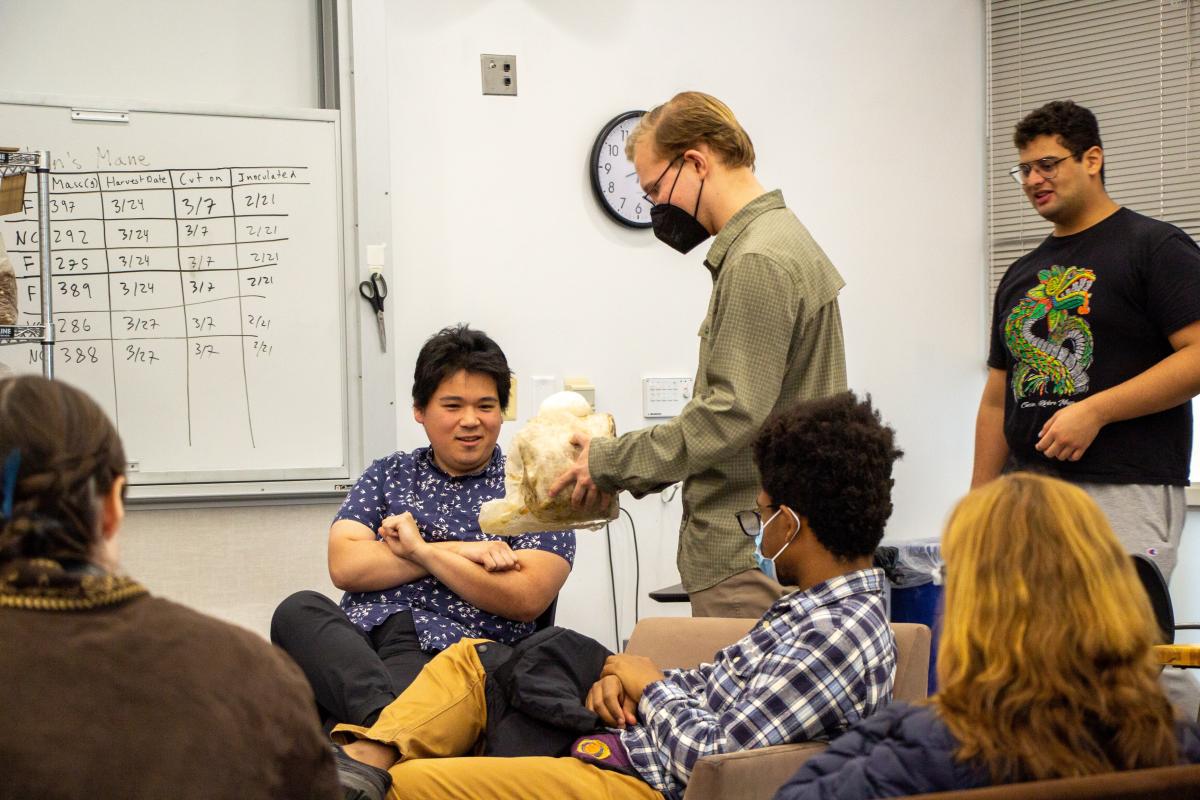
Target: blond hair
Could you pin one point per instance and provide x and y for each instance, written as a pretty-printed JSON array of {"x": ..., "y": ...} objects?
[
  {"x": 1045, "y": 662},
  {"x": 691, "y": 118}
]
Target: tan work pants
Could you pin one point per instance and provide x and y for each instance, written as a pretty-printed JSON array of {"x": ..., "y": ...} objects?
[
  {"x": 439, "y": 720},
  {"x": 747, "y": 594}
]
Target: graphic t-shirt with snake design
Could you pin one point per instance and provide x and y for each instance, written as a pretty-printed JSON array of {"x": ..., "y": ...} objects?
[
  {"x": 1083, "y": 313},
  {"x": 1055, "y": 363}
]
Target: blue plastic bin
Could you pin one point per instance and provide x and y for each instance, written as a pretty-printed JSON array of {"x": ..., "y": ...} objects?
[{"x": 916, "y": 597}]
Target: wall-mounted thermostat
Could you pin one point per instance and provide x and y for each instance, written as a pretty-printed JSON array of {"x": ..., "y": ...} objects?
[{"x": 665, "y": 397}]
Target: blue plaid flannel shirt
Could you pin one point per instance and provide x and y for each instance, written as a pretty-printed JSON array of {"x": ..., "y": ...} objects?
[{"x": 817, "y": 662}]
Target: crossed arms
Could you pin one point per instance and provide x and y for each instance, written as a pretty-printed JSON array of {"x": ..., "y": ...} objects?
[{"x": 516, "y": 584}]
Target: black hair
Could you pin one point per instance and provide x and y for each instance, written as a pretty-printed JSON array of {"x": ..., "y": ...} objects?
[
  {"x": 830, "y": 460},
  {"x": 453, "y": 349},
  {"x": 69, "y": 456},
  {"x": 1074, "y": 126}
]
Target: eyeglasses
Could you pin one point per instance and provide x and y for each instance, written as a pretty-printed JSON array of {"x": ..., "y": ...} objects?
[
  {"x": 653, "y": 191},
  {"x": 1046, "y": 167},
  {"x": 750, "y": 520}
]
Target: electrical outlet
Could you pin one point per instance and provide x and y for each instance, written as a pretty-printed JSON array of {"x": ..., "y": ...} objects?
[
  {"x": 499, "y": 73},
  {"x": 581, "y": 386}
]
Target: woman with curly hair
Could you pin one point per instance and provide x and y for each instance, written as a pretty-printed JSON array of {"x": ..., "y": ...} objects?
[
  {"x": 1045, "y": 663},
  {"x": 107, "y": 691}
]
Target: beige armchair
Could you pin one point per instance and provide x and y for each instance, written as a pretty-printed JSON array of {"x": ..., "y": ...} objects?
[
  {"x": 1157, "y": 783},
  {"x": 684, "y": 642}
]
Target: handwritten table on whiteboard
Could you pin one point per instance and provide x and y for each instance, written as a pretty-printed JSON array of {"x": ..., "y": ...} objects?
[
  {"x": 164, "y": 265},
  {"x": 200, "y": 290}
]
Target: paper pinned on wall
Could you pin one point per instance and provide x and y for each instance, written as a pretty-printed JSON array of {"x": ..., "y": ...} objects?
[{"x": 12, "y": 187}]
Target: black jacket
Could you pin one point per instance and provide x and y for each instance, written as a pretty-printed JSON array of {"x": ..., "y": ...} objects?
[
  {"x": 906, "y": 750},
  {"x": 535, "y": 692}
]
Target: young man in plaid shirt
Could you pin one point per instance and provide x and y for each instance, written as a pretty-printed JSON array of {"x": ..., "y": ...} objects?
[{"x": 820, "y": 659}]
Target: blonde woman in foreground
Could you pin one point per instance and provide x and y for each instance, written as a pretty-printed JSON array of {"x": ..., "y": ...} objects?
[{"x": 1045, "y": 662}]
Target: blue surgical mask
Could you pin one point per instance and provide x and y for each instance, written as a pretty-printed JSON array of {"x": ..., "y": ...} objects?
[{"x": 767, "y": 565}]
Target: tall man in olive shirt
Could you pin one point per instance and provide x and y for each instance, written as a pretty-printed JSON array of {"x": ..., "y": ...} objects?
[{"x": 772, "y": 337}]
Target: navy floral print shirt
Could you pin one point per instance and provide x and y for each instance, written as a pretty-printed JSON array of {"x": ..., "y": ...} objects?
[{"x": 446, "y": 508}]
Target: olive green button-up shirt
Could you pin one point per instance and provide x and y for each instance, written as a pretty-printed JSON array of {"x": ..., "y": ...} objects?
[{"x": 772, "y": 337}]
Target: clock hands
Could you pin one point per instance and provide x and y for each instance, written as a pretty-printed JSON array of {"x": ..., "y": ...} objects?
[{"x": 617, "y": 193}]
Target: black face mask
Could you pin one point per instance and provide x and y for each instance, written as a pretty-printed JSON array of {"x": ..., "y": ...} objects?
[{"x": 675, "y": 227}]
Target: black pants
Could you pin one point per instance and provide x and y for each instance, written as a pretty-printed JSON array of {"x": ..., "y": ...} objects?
[{"x": 354, "y": 675}]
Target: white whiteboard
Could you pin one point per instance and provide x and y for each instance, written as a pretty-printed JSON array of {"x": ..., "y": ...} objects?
[{"x": 198, "y": 286}]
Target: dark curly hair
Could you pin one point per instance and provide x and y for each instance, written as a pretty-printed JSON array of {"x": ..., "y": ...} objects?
[
  {"x": 830, "y": 461},
  {"x": 70, "y": 455},
  {"x": 453, "y": 349},
  {"x": 1075, "y": 126}
]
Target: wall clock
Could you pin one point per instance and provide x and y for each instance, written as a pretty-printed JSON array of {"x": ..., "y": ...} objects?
[{"x": 614, "y": 181}]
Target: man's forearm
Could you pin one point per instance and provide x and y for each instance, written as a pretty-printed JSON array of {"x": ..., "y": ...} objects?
[
  {"x": 611, "y": 462},
  {"x": 368, "y": 565},
  {"x": 710, "y": 429},
  {"x": 680, "y": 726},
  {"x": 991, "y": 449},
  {"x": 1170, "y": 382},
  {"x": 371, "y": 566},
  {"x": 748, "y": 354},
  {"x": 512, "y": 594}
]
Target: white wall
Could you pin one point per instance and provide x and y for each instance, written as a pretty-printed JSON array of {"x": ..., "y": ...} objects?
[
  {"x": 233, "y": 562},
  {"x": 260, "y": 53},
  {"x": 868, "y": 114},
  {"x": 1185, "y": 590}
]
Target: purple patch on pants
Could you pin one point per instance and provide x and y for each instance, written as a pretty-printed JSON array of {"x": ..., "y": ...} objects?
[{"x": 603, "y": 750}]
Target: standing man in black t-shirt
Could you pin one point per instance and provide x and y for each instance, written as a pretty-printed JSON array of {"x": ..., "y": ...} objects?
[{"x": 1095, "y": 343}]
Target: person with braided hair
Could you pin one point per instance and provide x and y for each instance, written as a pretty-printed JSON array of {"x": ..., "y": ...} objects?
[{"x": 106, "y": 690}]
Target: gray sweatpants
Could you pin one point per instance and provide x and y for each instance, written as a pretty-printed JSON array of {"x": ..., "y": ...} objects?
[{"x": 1149, "y": 519}]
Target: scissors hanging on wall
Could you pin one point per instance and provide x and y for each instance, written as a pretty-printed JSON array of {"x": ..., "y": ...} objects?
[{"x": 374, "y": 290}]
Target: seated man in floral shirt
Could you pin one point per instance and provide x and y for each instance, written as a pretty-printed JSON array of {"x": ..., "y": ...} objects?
[
  {"x": 404, "y": 605},
  {"x": 820, "y": 659}
]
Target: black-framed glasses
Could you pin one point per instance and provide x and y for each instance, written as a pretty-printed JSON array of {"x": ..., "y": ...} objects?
[
  {"x": 653, "y": 190},
  {"x": 750, "y": 520},
  {"x": 1046, "y": 167}
]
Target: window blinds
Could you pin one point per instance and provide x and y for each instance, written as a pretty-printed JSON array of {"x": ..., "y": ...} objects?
[{"x": 1130, "y": 62}]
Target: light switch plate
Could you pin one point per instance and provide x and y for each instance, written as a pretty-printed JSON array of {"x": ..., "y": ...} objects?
[
  {"x": 542, "y": 387},
  {"x": 499, "y": 73},
  {"x": 665, "y": 397}
]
